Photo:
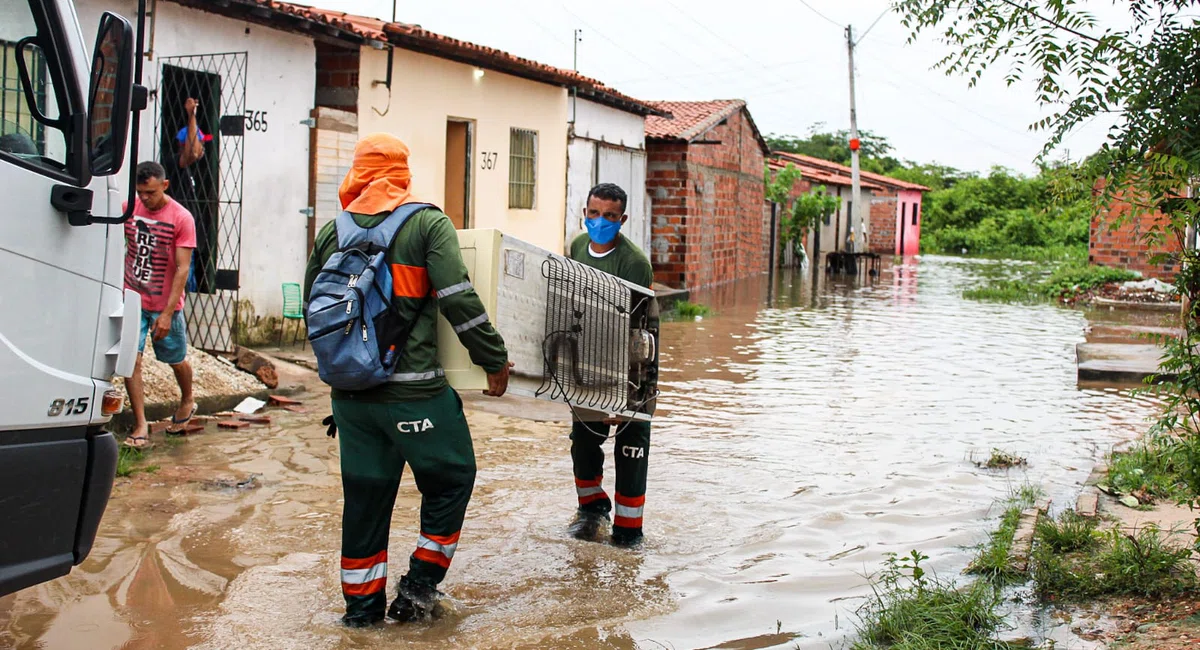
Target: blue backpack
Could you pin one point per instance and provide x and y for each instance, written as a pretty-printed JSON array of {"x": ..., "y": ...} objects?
[{"x": 354, "y": 332}]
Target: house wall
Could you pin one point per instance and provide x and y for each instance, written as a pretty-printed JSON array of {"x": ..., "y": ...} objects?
[
  {"x": 607, "y": 146},
  {"x": 1123, "y": 247},
  {"x": 280, "y": 81},
  {"x": 881, "y": 234},
  {"x": 427, "y": 91},
  {"x": 707, "y": 203}
]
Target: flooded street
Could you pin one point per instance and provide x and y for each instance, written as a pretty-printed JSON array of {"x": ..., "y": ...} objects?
[{"x": 802, "y": 436}]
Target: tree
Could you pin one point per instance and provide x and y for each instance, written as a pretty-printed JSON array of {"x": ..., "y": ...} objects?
[{"x": 835, "y": 147}]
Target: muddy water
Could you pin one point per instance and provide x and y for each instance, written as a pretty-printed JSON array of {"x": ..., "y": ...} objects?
[{"x": 804, "y": 435}]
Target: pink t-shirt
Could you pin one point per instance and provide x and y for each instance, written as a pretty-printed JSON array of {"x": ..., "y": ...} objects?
[{"x": 151, "y": 237}]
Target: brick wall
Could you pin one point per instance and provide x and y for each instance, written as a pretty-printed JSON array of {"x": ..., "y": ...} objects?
[
  {"x": 337, "y": 77},
  {"x": 1123, "y": 247},
  {"x": 881, "y": 236},
  {"x": 707, "y": 207}
]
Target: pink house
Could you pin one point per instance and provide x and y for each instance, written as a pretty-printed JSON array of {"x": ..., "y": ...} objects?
[{"x": 894, "y": 214}]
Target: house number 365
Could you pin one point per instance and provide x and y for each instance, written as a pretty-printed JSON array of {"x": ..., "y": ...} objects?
[{"x": 256, "y": 121}]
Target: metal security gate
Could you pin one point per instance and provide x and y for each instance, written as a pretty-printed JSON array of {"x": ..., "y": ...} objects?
[{"x": 211, "y": 187}]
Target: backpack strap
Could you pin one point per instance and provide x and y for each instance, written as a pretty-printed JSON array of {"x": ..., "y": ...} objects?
[{"x": 352, "y": 235}]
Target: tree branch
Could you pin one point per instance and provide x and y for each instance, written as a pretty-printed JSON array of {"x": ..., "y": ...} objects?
[{"x": 1049, "y": 20}]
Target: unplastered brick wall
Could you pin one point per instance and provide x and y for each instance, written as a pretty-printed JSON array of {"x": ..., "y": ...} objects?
[
  {"x": 707, "y": 207},
  {"x": 1123, "y": 246},
  {"x": 881, "y": 234},
  {"x": 337, "y": 76}
]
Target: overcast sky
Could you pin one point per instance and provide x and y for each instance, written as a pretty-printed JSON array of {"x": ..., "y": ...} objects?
[{"x": 787, "y": 60}]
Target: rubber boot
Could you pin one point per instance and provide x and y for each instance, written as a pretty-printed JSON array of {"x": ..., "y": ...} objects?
[
  {"x": 415, "y": 601},
  {"x": 587, "y": 525}
]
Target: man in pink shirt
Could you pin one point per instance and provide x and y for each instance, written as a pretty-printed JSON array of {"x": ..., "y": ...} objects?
[{"x": 159, "y": 242}]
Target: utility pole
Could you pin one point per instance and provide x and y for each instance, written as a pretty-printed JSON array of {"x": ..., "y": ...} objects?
[
  {"x": 577, "y": 38},
  {"x": 855, "y": 177}
]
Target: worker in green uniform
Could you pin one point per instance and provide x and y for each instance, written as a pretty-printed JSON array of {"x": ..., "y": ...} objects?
[
  {"x": 416, "y": 418},
  {"x": 603, "y": 247}
]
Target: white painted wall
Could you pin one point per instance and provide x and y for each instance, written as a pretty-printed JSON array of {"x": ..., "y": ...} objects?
[
  {"x": 599, "y": 122},
  {"x": 427, "y": 91},
  {"x": 608, "y": 146},
  {"x": 280, "y": 80}
]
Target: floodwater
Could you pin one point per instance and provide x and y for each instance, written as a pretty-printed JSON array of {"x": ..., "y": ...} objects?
[{"x": 802, "y": 436}]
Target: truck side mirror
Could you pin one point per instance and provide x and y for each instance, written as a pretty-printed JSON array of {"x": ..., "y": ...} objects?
[{"x": 110, "y": 95}]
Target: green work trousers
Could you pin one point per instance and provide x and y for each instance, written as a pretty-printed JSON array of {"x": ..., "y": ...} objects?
[
  {"x": 377, "y": 440},
  {"x": 631, "y": 451}
]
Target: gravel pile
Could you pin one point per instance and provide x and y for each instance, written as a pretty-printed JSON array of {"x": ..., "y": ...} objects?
[{"x": 212, "y": 376}]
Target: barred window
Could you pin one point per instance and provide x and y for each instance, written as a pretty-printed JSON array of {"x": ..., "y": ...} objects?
[{"x": 522, "y": 169}]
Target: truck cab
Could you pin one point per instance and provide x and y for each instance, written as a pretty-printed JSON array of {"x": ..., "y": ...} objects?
[{"x": 67, "y": 326}]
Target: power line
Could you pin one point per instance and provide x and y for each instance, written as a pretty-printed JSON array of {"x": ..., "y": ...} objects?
[
  {"x": 1007, "y": 127},
  {"x": 827, "y": 18},
  {"x": 885, "y": 12}
]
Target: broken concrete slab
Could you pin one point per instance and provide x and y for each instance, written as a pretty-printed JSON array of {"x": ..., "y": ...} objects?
[
  {"x": 1124, "y": 363},
  {"x": 1088, "y": 503},
  {"x": 1022, "y": 546}
]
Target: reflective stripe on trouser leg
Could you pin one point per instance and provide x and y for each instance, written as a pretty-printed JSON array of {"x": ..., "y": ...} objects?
[
  {"x": 436, "y": 549},
  {"x": 628, "y": 513},
  {"x": 587, "y": 461},
  {"x": 631, "y": 452},
  {"x": 442, "y": 460},
  {"x": 364, "y": 576},
  {"x": 371, "y": 469},
  {"x": 590, "y": 491}
]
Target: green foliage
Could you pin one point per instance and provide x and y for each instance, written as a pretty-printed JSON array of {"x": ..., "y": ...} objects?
[
  {"x": 909, "y": 610},
  {"x": 684, "y": 310},
  {"x": 1145, "y": 564},
  {"x": 1066, "y": 281},
  {"x": 780, "y": 185},
  {"x": 130, "y": 461},
  {"x": 1002, "y": 213},
  {"x": 835, "y": 147},
  {"x": 991, "y": 562},
  {"x": 1156, "y": 468},
  {"x": 1069, "y": 534}
]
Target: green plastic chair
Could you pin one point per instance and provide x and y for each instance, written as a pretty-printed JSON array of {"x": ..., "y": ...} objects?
[{"x": 293, "y": 310}]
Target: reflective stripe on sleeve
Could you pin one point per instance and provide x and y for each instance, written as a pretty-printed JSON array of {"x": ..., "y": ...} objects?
[
  {"x": 474, "y": 322},
  {"x": 453, "y": 289}
]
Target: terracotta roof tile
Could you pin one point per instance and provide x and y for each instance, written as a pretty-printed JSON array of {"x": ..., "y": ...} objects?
[
  {"x": 414, "y": 37},
  {"x": 835, "y": 168},
  {"x": 690, "y": 120},
  {"x": 821, "y": 176}
]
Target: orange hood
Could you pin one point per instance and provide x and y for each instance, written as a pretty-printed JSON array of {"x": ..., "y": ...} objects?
[{"x": 379, "y": 178}]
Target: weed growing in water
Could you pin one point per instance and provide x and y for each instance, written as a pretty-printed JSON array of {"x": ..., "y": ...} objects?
[
  {"x": 910, "y": 610},
  {"x": 684, "y": 310},
  {"x": 1070, "y": 533},
  {"x": 992, "y": 560},
  {"x": 129, "y": 462}
]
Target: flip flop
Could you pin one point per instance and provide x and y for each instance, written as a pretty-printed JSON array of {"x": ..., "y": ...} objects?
[
  {"x": 130, "y": 441},
  {"x": 182, "y": 430}
]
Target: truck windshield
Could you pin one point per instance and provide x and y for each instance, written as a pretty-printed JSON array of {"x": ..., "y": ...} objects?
[{"x": 27, "y": 132}]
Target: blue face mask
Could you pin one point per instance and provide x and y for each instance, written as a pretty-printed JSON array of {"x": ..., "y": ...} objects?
[{"x": 602, "y": 231}]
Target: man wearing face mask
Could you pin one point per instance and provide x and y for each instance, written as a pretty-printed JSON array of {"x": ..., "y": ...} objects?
[{"x": 604, "y": 248}]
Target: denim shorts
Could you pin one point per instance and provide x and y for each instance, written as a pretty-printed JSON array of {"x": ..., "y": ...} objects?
[{"x": 172, "y": 349}]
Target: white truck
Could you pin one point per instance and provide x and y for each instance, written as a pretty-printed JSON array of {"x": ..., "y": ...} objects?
[{"x": 67, "y": 327}]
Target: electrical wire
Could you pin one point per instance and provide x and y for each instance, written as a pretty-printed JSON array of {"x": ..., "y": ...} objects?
[{"x": 827, "y": 18}]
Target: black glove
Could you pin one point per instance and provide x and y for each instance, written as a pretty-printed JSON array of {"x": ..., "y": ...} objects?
[{"x": 332, "y": 430}]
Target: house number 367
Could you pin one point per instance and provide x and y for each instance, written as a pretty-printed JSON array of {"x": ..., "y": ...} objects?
[{"x": 256, "y": 121}]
